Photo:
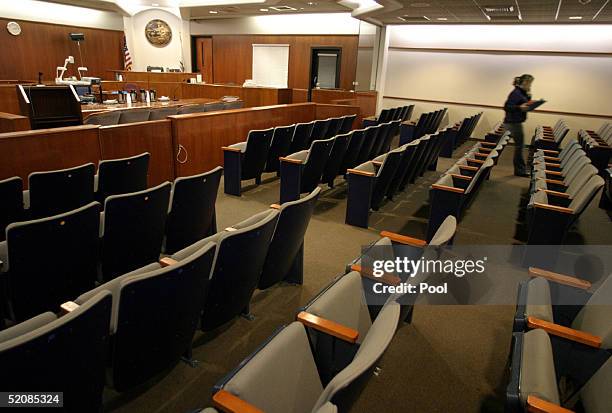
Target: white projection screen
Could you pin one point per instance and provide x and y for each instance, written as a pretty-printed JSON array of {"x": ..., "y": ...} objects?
[{"x": 271, "y": 65}]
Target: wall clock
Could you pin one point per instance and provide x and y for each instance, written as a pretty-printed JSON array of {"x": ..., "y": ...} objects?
[
  {"x": 13, "y": 28},
  {"x": 158, "y": 33}
]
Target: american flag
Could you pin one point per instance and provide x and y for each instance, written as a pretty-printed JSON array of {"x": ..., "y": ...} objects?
[{"x": 127, "y": 59}]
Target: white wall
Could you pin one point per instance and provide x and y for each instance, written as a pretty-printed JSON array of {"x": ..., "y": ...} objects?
[
  {"x": 317, "y": 23},
  {"x": 41, "y": 11},
  {"x": 145, "y": 54},
  {"x": 569, "y": 82}
]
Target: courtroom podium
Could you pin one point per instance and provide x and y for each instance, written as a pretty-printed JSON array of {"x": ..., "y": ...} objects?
[{"x": 50, "y": 106}]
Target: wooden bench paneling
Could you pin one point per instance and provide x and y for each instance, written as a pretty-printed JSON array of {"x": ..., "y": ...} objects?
[
  {"x": 203, "y": 135},
  {"x": 324, "y": 111},
  {"x": 47, "y": 149},
  {"x": 155, "y": 137},
  {"x": 13, "y": 123}
]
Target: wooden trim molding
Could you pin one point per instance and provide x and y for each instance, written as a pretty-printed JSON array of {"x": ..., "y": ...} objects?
[
  {"x": 328, "y": 327},
  {"x": 565, "y": 332},
  {"x": 482, "y": 105}
]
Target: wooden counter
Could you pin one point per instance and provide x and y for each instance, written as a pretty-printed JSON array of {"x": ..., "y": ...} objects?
[
  {"x": 88, "y": 109},
  {"x": 252, "y": 96}
]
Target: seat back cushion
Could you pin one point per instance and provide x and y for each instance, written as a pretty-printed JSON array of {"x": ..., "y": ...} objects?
[
  {"x": 256, "y": 153},
  {"x": 539, "y": 302},
  {"x": 371, "y": 349},
  {"x": 121, "y": 176},
  {"x": 282, "y": 377},
  {"x": 596, "y": 316},
  {"x": 537, "y": 376},
  {"x": 596, "y": 396},
  {"x": 11, "y": 203}
]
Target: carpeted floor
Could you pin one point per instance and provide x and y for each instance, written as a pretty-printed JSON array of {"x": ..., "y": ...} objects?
[{"x": 450, "y": 359}]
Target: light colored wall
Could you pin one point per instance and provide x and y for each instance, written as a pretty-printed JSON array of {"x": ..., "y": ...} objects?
[
  {"x": 41, "y": 11},
  {"x": 145, "y": 54},
  {"x": 318, "y": 23},
  {"x": 458, "y": 64}
]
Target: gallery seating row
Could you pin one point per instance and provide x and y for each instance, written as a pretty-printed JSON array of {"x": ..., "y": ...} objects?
[
  {"x": 118, "y": 117},
  {"x": 547, "y": 137},
  {"x": 302, "y": 171},
  {"x": 598, "y": 146},
  {"x": 400, "y": 113},
  {"x": 562, "y": 334},
  {"x": 53, "y": 192},
  {"x": 371, "y": 182},
  {"x": 137, "y": 326},
  {"x": 262, "y": 149},
  {"x": 321, "y": 361},
  {"x": 428, "y": 123},
  {"x": 131, "y": 231},
  {"x": 564, "y": 182},
  {"x": 455, "y": 190},
  {"x": 459, "y": 134}
]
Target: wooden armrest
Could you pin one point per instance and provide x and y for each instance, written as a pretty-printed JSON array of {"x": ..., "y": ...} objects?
[
  {"x": 448, "y": 188},
  {"x": 552, "y": 158},
  {"x": 556, "y": 193},
  {"x": 468, "y": 168},
  {"x": 290, "y": 160},
  {"x": 377, "y": 163},
  {"x": 559, "y": 278},
  {"x": 358, "y": 172},
  {"x": 480, "y": 155},
  {"x": 550, "y": 151},
  {"x": 167, "y": 261},
  {"x": 553, "y": 173},
  {"x": 464, "y": 177},
  {"x": 565, "y": 332},
  {"x": 385, "y": 278},
  {"x": 485, "y": 150},
  {"x": 68, "y": 307},
  {"x": 476, "y": 160},
  {"x": 403, "y": 239},
  {"x": 488, "y": 144},
  {"x": 547, "y": 139},
  {"x": 553, "y": 165},
  {"x": 555, "y": 182},
  {"x": 537, "y": 405},
  {"x": 554, "y": 208},
  {"x": 275, "y": 206},
  {"x": 328, "y": 327},
  {"x": 229, "y": 403},
  {"x": 228, "y": 149}
]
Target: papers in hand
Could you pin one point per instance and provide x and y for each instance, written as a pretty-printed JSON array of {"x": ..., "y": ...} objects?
[{"x": 533, "y": 104}]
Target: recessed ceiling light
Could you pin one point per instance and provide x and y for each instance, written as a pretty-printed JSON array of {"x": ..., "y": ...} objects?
[
  {"x": 575, "y": 17},
  {"x": 426, "y": 18},
  {"x": 442, "y": 19},
  {"x": 154, "y": 4},
  {"x": 213, "y": 11},
  {"x": 310, "y": 3},
  {"x": 263, "y": 9}
]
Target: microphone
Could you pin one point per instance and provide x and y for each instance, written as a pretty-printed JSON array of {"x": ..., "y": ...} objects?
[{"x": 40, "y": 78}]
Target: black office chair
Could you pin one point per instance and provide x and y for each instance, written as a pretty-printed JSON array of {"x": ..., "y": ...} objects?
[
  {"x": 60, "y": 354},
  {"x": 122, "y": 176},
  {"x": 192, "y": 210},
  {"x": 132, "y": 229},
  {"x": 246, "y": 160},
  {"x": 11, "y": 203},
  {"x": 54, "y": 192},
  {"x": 51, "y": 260},
  {"x": 281, "y": 143}
]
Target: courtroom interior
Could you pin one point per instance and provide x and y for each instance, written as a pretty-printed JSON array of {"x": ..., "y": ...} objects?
[{"x": 295, "y": 206}]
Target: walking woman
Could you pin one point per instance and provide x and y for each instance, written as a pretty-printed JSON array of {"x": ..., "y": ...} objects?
[{"x": 516, "y": 113}]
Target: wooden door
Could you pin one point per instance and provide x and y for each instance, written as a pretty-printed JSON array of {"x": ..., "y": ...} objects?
[{"x": 204, "y": 58}]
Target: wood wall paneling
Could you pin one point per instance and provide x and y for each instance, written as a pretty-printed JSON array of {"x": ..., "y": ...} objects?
[
  {"x": 155, "y": 137},
  {"x": 365, "y": 100},
  {"x": 47, "y": 149},
  {"x": 203, "y": 135},
  {"x": 13, "y": 123},
  {"x": 250, "y": 96},
  {"x": 324, "y": 111},
  {"x": 41, "y": 47},
  {"x": 233, "y": 57},
  {"x": 8, "y": 99}
]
